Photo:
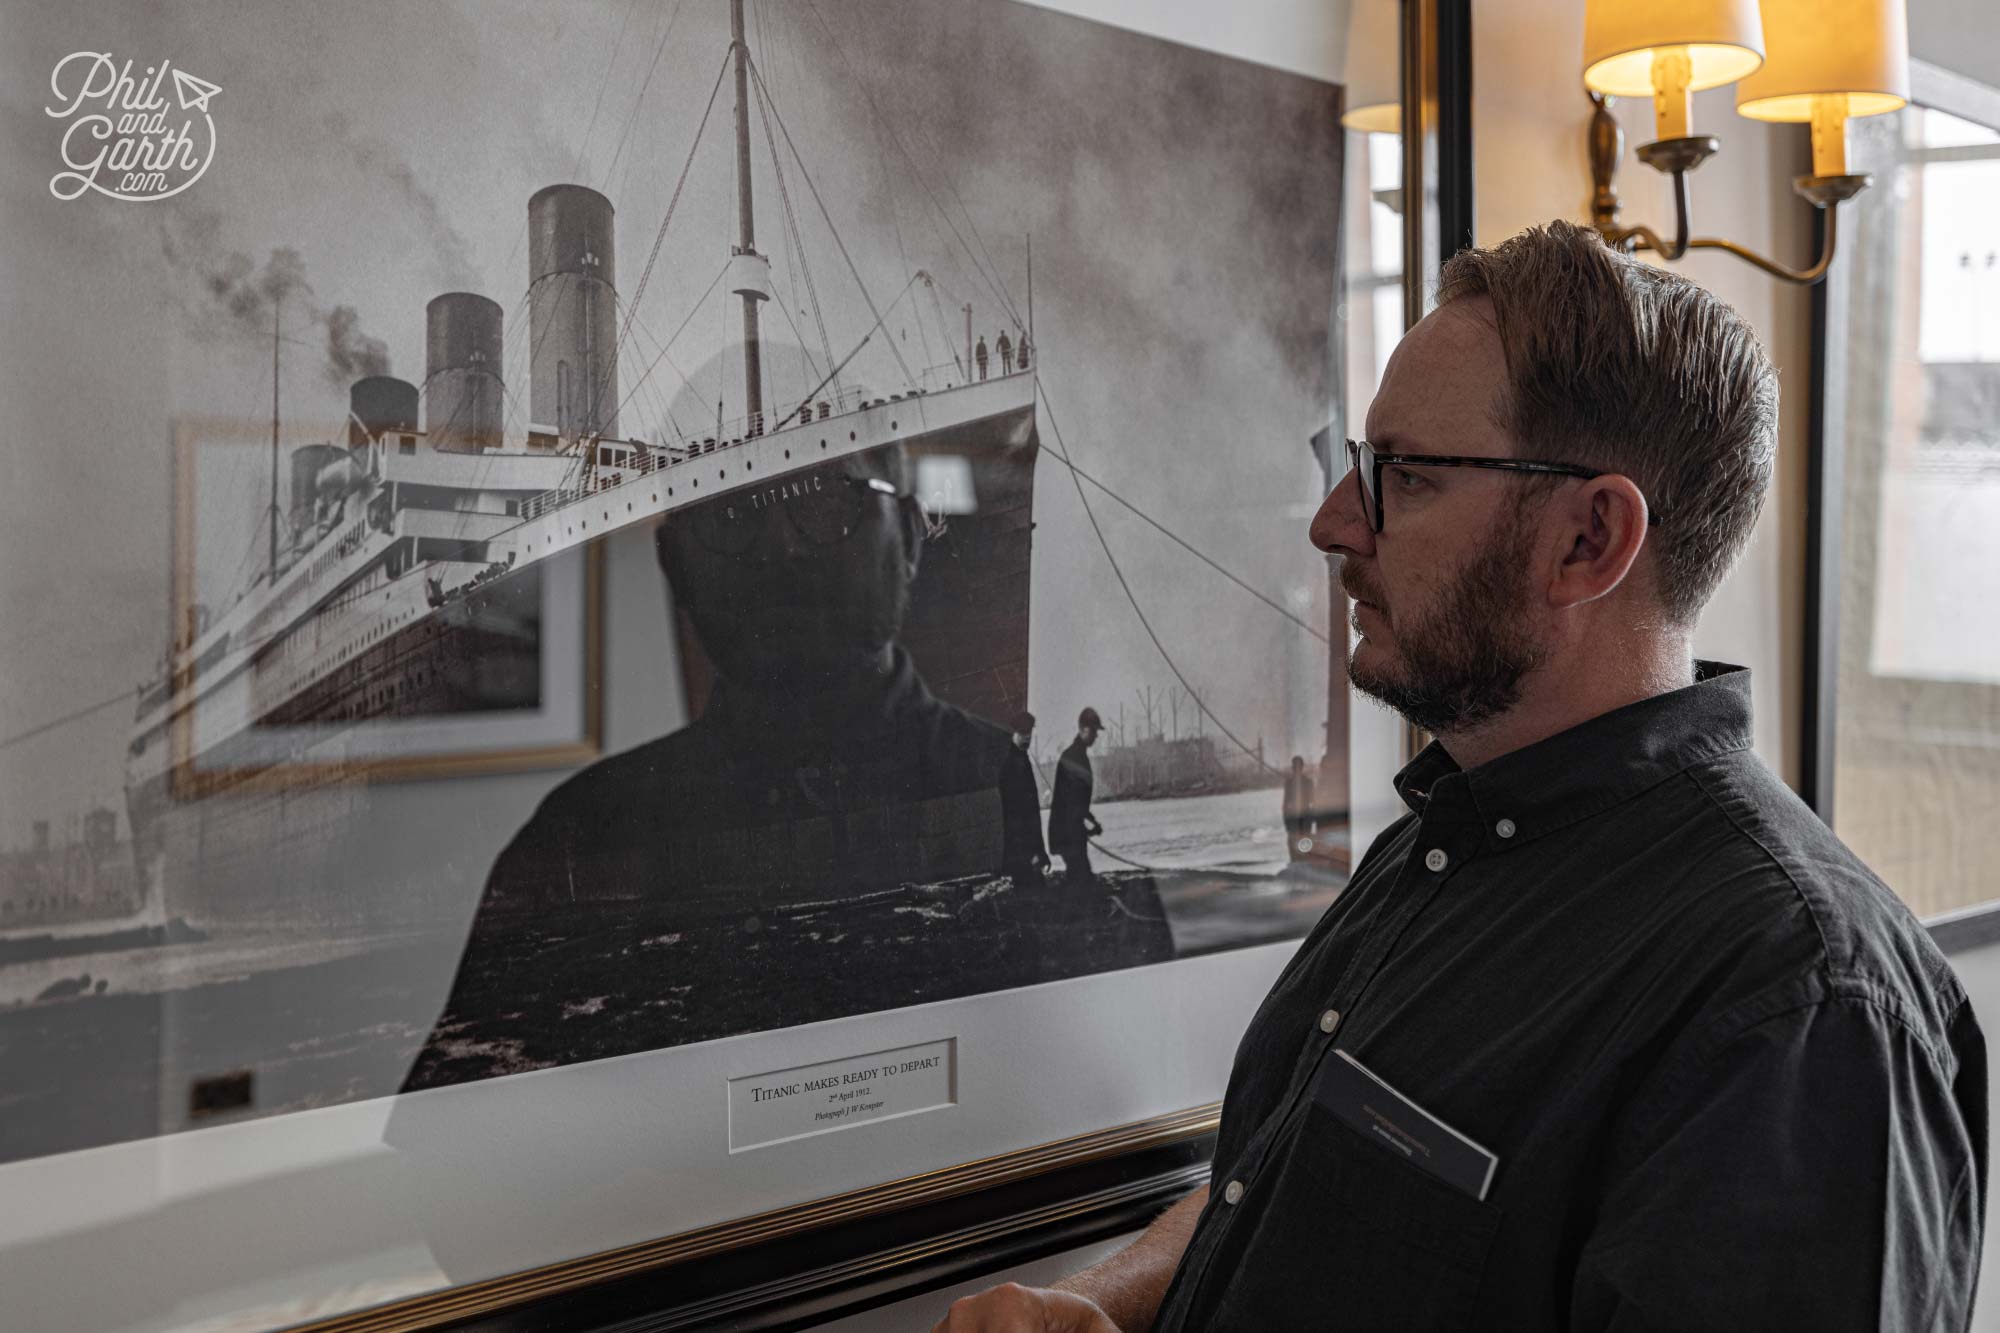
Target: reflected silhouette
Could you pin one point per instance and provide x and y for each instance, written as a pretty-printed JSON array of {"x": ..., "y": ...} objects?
[{"x": 822, "y": 840}]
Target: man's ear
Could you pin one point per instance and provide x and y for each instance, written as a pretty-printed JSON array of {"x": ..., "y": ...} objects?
[{"x": 910, "y": 512}]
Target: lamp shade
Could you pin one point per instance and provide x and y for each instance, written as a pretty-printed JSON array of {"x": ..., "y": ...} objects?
[
  {"x": 1374, "y": 67},
  {"x": 1724, "y": 41},
  {"x": 1817, "y": 48}
]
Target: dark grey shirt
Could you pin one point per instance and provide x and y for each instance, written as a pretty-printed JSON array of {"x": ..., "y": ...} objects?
[{"x": 1730, "y": 1081}]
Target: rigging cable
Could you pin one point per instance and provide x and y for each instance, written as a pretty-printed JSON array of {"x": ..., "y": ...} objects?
[
  {"x": 922, "y": 180},
  {"x": 778, "y": 116},
  {"x": 632, "y": 116},
  {"x": 798, "y": 239},
  {"x": 1062, "y": 452},
  {"x": 660, "y": 237},
  {"x": 602, "y": 83}
]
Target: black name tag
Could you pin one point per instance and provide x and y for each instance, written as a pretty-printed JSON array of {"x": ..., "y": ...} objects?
[{"x": 1379, "y": 1113}]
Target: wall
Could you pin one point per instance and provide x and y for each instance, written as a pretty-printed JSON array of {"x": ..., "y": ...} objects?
[{"x": 1530, "y": 165}]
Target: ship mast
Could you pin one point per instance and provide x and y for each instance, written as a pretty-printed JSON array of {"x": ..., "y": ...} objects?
[
  {"x": 276, "y": 302},
  {"x": 746, "y": 226}
]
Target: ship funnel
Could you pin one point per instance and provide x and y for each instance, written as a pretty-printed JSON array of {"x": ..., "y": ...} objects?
[
  {"x": 380, "y": 402},
  {"x": 462, "y": 368},
  {"x": 573, "y": 312}
]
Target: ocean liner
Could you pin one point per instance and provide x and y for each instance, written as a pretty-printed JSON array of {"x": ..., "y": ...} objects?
[{"x": 406, "y": 577}]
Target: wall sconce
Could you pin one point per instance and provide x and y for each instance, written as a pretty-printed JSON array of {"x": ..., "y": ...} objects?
[
  {"x": 1816, "y": 61},
  {"x": 1373, "y": 79}
]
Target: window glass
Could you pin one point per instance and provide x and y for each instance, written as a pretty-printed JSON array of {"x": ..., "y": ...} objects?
[{"x": 1917, "y": 746}]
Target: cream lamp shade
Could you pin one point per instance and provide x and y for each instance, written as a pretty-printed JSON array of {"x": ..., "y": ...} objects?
[
  {"x": 1856, "y": 49},
  {"x": 1830, "y": 60},
  {"x": 1374, "y": 67},
  {"x": 1723, "y": 39}
]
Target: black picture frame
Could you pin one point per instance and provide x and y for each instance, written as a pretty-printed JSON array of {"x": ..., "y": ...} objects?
[{"x": 1826, "y": 539}]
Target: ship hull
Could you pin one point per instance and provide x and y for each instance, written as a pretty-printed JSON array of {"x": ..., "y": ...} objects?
[{"x": 967, "y": 626}]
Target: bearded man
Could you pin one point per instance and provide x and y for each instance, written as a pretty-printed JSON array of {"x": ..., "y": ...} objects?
[{"x": 1608, "y": 1031}]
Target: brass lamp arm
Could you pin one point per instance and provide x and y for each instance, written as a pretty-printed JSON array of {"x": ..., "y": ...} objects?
[
  {"x": 1644, "y": 238},
  {"x": 1677, "y": 157}
]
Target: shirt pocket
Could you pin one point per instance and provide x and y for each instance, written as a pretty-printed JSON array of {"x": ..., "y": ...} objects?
[{"x": 1355, "y": 1240}]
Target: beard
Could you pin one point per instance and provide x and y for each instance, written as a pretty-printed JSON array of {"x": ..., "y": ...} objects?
[{"x": 1461, "y": 661}]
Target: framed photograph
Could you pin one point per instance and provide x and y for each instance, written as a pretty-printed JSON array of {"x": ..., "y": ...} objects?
[
  {"x": 1903, "y": 668},
  {"x": 719, "y": 703},
  {"x": 396, "y": 650}
]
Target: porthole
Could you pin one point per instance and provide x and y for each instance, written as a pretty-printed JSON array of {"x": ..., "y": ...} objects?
[
  {"x": 788, "y": 453},
  {"x": 850, "y": 435},
  {"x": 892, "y": 425},
  {"x": 697, "y": 483},
  {"x": 822, "y": 444}
]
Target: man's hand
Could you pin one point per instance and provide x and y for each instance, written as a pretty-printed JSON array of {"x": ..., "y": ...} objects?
[
  {"x": 1013, "y": 1308},
  {"x": 1096, "y": 829}
]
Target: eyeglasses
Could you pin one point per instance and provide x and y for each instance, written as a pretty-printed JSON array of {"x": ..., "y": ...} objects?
[
  {"x": 1367, "y": 465},
  {"x": 822, "y": 509}
]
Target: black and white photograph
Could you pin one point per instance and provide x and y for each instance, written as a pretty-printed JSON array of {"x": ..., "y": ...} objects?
[{"x": 922, "y": 379}]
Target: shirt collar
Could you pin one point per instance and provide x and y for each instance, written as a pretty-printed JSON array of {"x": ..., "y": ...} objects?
[{"x": 1541, "y": 788}]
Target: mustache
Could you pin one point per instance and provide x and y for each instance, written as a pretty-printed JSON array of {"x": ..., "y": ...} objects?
[{"x": 1357, "y": 589}]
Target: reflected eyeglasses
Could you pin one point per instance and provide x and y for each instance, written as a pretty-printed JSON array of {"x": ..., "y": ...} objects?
[
  {"x": 1367, "y": 466},
  {"x": 823, "y": 510}
]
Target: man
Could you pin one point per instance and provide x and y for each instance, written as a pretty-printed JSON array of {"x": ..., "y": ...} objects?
[
  {"x": 1005, "y": 346},
  {"x": 979, "y": 356},
  {"x": 822, "y": 765},
  {"x": 1071, "y": 825},
  {"x": 1022, "y": 857},
  {"x": 1721, "y": 1077},
  {"x": 1298, "y": 808}
]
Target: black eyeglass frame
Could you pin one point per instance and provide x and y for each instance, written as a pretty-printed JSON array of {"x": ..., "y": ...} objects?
[
  {"x": 1371, "y": 480},
  {"x": 753, "y": 528}
]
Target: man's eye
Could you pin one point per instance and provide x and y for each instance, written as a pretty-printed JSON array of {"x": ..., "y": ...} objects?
[{"x": 1404, "y": 479}]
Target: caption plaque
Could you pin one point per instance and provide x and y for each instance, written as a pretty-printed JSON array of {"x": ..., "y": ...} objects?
[{"x": 836, "y": 1094}]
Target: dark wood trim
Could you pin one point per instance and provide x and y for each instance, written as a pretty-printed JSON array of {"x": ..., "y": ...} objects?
[
  {"x": 1453, "y": 65},
  {"x": 803, "y": 1280},
  {"x": 1819, "y": 669}
]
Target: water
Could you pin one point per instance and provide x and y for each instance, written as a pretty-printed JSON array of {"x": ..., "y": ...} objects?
[
  {"x": 1242, "y": 831},
  {"x": 227, "y": 955}
]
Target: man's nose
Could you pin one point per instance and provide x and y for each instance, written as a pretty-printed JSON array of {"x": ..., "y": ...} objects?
[{"x": 1340, "y": 527}]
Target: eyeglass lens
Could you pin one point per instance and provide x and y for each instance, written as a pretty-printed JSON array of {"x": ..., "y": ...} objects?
[
  {"x": 1361, "y": 458},
  {"x": 824, "y": 509}
]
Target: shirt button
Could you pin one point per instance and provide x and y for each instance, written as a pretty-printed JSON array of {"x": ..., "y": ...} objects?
[
  {"x": 1233, "y": 1193},
  {"x": 1505, "y": 828},
  {"x": 1329, "y": 1020},
  {"x": 1435, "y": 859}
]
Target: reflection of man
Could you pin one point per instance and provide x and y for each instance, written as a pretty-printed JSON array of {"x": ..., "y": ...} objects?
[
  {"x": 1022, "y": 856},
  {"x": 1717, "y": 1076},
  {"x": 1071, "y": 825},
  {"x": 1299, "y": 808},
  {"x": 819, "y": 734},
  {"x": 709, "y": 882}
]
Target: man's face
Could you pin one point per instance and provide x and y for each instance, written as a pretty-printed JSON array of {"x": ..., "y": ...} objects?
[
  {"x": 1089, "y": 735},
  {"x": 780, "y": 604},
  {"x": 1446, "y": 595}
]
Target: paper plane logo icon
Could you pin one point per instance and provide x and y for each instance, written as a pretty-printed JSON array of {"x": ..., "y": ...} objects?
[{"x": 194, "y": 93}]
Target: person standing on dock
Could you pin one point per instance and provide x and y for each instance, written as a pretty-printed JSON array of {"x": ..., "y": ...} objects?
[
  {"x": 979, "y": 356},
  {"x": 1071, "y": 825},
  {"x": 1299, "y": 809},
  {"x": 1005, "y": 346},
  {"x": 1022, "y": 856}
]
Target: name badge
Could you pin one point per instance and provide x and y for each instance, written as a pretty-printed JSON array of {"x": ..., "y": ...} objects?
[{"x": 1376, "y": 1111}]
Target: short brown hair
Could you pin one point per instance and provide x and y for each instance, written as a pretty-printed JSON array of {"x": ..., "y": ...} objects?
[{"x": 1616, "y": 365}]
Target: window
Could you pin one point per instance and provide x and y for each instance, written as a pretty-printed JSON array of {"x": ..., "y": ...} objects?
[{"x": 1912, "y": 420}]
